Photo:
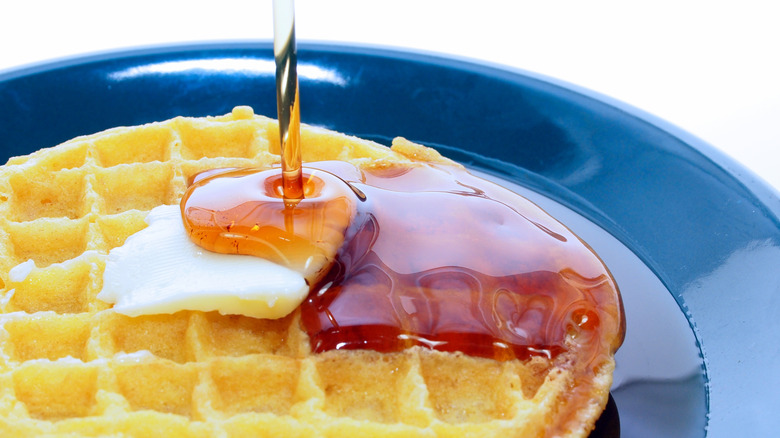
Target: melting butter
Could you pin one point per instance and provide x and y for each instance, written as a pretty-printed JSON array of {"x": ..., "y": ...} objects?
[{"x": 159, "y": 270}]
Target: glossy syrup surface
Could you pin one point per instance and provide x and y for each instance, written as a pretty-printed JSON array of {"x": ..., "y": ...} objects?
[
  {"x": 425, "y": 255},
  {"x": 244, "y": 211}
]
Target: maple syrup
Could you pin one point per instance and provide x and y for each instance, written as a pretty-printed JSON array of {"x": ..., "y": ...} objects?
[
  {"x": 245, "y": 211},
  {"x": 420, "y": 254},
  {"x": 288, "y": 99}
]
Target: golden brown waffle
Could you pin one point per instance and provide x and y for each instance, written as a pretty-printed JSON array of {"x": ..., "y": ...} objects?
[{"x": 69, "y": 366}]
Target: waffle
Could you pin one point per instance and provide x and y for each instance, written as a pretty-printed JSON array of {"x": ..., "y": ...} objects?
[{"x": 70, "y": 366}]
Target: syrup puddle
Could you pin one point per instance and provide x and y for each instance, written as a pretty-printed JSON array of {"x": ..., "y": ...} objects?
[{"x": 659, "y": 387}]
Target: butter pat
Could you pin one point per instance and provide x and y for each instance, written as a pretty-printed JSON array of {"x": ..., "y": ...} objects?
[{"x": 159, "y": 270}]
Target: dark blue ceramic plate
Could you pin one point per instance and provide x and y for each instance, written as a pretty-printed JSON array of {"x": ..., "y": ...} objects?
[{"x": 705, "y": 227}]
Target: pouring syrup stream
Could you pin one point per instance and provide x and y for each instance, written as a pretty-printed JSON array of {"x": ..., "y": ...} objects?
[{"x": 287, "y": 99}]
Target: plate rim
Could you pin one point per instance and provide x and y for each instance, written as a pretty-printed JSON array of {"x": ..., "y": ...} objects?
[{"x": 769, "y": 195}]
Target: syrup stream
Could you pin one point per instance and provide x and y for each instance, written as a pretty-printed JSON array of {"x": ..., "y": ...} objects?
[{"x": 287, "y": 99}]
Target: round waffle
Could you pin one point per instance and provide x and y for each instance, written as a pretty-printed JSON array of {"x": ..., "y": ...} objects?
[{"x": 70, "y": 366}]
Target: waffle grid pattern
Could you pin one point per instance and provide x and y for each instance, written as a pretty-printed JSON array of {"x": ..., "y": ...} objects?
[{"x": 69, "y": 366}]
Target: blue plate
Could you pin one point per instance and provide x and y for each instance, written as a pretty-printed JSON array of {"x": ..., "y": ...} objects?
[{"x": 706, "y": 228}]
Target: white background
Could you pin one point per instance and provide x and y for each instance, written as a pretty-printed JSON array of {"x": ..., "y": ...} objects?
[{"x": 711, "y": 68}]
